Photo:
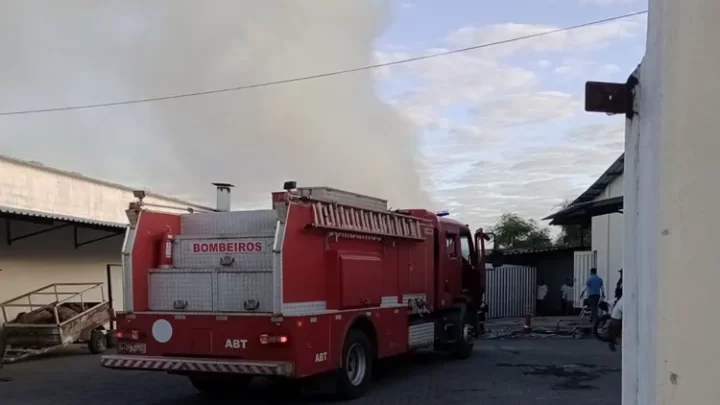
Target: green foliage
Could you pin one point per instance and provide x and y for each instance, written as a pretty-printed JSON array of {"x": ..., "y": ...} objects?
[
  {"x": 512, "y": 232},
  {"x": 573, "y": 235}
]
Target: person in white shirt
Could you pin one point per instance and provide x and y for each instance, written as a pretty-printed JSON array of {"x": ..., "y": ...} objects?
[
  {"x": 615, "y": 326},
  {"x": 567, "y": 292},
  {"x": 542, "y": 291}
]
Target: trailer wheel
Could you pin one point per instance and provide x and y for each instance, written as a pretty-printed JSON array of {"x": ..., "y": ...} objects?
[
  {"x": 97, "y": 343},
  {"x": 220, "y": 386},
  {"x": 357, "y": 361}
]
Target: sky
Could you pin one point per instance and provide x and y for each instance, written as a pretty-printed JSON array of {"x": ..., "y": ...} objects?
[
  {"x": 480, "y": 133},
  {"x": 503, "y": 129}
]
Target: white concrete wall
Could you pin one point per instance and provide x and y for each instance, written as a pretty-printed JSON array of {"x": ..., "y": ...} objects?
[
  {"x": 670, "y": 349},
  {"x": 37, "y": 261},
  {"x": 607, "y": 239},
  {"x": 33, "y": 187}
]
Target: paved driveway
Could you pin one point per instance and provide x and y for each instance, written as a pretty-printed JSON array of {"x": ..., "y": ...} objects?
[{"x": 503, "y": 372}]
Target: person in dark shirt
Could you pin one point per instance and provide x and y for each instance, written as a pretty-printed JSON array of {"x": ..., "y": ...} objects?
[{"x": 619, "y": 286}]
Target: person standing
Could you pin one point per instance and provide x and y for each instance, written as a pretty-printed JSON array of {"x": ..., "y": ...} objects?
[
  {"x": 542, "y": 291},
  {"x": 595, "y": 290},
  {"x": 615, "y": 326},
  {"x": 567, "y": 292},
  {"x": 619, "y": 286}
]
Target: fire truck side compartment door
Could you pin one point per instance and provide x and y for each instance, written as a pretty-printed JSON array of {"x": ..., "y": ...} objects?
[
  {"x": 361, "y": 280},
  {"x": 417, "y": 270}
]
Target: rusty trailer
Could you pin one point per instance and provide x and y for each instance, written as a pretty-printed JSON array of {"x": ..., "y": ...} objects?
[{"x": 71, "y": 318}]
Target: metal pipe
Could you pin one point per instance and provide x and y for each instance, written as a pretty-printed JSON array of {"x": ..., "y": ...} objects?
[{"x": 223, "y": 196}]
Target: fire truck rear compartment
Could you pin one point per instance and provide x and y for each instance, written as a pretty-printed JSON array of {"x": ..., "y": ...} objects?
[
  {"x": 222, "y": 262},
  {"x": 207, "y": 336}
]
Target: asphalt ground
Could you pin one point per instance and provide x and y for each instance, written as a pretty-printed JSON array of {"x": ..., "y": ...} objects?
[{"x": 503, "y": 372}]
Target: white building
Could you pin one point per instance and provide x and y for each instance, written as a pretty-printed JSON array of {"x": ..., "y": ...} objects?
[
  {"x": 600, "y": 207},
  {"x": 58, "y": 226}
]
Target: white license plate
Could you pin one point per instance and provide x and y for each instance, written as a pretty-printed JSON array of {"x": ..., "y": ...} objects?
[{"x": 131, "y": 348}]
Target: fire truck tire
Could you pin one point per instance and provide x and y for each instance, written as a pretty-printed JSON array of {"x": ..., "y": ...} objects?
[
  {"x": 97, "y": 343},
  {"x": 219, "y": 386},
  {"x": 357, "y": 361},
  {"x": 464, "y": 348}
]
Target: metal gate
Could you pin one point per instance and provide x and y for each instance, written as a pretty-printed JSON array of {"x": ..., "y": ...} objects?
[
  {"x": 510, "y": 291},
  {"x": 584, "y": 261}
]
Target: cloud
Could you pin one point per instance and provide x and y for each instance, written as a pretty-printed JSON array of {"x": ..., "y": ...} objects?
[
  {"x": 582, "y": 39},
  {"x": 332, "y": 131},
  {"x": 503, "y": 143},
  {"x": 452, "y": 80},
  {"x": 527, "y": 108},
  {"x": 576, "y": 68},
  {"x": 530, "y": 180},
  {"x": 483, "y": 75},
  {"x": 606, "y": 2}
]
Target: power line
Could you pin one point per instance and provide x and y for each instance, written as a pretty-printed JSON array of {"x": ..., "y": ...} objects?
[{"x": 327, "y": 74}]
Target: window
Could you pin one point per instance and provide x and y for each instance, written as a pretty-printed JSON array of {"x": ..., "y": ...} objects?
[
  {"x": 450, "y": 245},
  {"x": 465, "y": 247}
]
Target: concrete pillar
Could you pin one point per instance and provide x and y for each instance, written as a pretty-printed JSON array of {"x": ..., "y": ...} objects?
[{"x": 671, "y": 353}]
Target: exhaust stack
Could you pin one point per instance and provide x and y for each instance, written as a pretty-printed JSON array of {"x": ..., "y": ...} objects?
[{"x": 223, "y": 196}]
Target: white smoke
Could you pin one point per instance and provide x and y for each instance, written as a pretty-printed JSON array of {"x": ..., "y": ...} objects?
[{"x": 332, "y": 131}]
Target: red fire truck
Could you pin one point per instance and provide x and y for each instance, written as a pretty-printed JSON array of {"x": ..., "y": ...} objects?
[{"x": 325, "y": 282}]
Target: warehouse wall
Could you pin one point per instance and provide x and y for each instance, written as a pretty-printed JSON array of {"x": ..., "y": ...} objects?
[
  {"x": 607, "y": 239},
  {"x": 554, "y": 267},
  {"x": 49, "y": 258}
]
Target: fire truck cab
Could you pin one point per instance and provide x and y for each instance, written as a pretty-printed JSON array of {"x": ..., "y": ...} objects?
[{"x": 325, "y": 282}]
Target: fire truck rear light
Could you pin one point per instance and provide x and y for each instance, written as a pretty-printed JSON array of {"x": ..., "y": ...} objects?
[
  {"x": 129, "y": 334},
  {"x": 272, "y": 339}
]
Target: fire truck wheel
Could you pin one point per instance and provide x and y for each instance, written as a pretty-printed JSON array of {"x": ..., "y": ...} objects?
[
  {"x": 97, "y": 343},
  {"x": 463, "y": 349},
  {"x": 218, "y": 386},
  {"x": 356, "y": 372}
]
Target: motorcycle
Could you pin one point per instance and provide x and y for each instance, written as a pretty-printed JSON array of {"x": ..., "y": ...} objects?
[{"x": 600, "y": 328}]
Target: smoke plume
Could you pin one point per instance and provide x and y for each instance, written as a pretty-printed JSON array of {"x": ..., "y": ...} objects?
[{"x": 332, "y": 131}]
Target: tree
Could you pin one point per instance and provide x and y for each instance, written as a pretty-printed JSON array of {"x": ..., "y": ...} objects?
[
  {"x": 512, "y": 232},
  {"x": 573, "y": 235}
]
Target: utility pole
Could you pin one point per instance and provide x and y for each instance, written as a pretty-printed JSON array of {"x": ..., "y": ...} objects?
[
  {"x": 671, "y": 200},
  {"x": 672, "y": 222}
]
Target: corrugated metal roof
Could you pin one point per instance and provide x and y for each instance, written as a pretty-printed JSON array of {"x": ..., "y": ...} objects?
[
  {"x": 581, "y": 213},
  {"x": 57, "y": 217},
  {"x": 614, "y": 171},
  {"x": 79, "y": 176}
]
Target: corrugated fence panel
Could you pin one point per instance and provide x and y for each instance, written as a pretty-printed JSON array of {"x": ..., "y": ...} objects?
[
  {"x": 510, "y": 291},
  {"x": 584, "y": 261}
]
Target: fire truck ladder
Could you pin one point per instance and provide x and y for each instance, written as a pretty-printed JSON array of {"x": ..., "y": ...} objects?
[{"x": 350, "y": 219}]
